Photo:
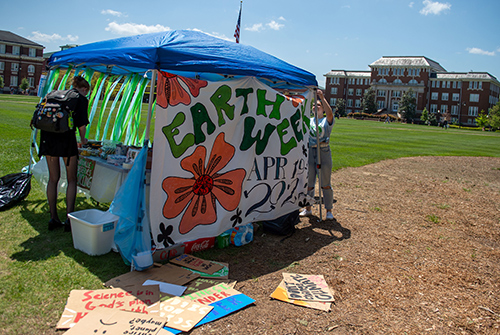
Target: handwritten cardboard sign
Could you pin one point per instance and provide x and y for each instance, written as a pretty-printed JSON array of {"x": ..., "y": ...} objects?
[
  {"x": 81, "y": 302},
  {"x": 168, "y": 273},
  {"x": 183, "y": 314},
  {"x": 115, "y": 322},
  {"x": 307, "y": 287},
  {"x": 224, "y": 300},
  {"x": 198, "y": 264},
  {"x": 204, "y": 283},
  {"x": 221, "y": 274},
  {"x": 280, "y": 294}
]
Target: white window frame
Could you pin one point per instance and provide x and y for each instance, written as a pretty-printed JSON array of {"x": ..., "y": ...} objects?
[
  {"x": 349, "y": 102},
  {"x": 16, "y": 50},
  {"x": 2, "y": 48},
  {"x": 32, "y": 52},
  {"x": 31, "y": 81},
  {"x": 31, "y": 69},
  {"x": 433, "y": 108},
  {"x": 474, "y": 97},
  {"x": 444, "y": 96},
  {"x": 455, "y": 97},
  {"x": 380, "y": 104},
  {"x": 333, "y": 90},
  {"x": 357, "y": 103},
  {"x": 434, "y": 95},
  {"x": 2, "y": 66},
  {"x": 358, "y": 91},
  {"x": 14, "y": 67},
  {"x": 350, "y": 91},
  {"x": 13, "y": 81},
  {"x": 381, "y": 93},
  {"x": 444, "y": 109},
  {"x": 454, "y": 110},
  {"x": 473, "y": 111}
]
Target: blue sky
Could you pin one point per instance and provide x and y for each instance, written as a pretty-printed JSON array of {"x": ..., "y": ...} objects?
[{"x": 316, "y": 35}]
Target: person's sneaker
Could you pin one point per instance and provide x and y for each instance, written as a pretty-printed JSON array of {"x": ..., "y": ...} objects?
[
  {"x": 329, "y": 216},
  {"x": 305, "y": 212},
  {"x": 54, "y": 224}
]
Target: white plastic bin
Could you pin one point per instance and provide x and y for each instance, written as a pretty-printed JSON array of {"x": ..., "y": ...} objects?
[{"x": 93, "y": 231}]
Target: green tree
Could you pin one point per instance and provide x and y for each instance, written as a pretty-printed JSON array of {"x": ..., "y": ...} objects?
[
  {"x": 482, "y": 120},
  {"x": 368, "y": 103},
  {"x": 495, "y": 116},
  {"x": 408, "y": 105},
  {"x": 1, "y": 82},
  {"x": 340, "y": 107},
  {"x": 24, "y": 84},
  {"x": 425, "y": 116}
]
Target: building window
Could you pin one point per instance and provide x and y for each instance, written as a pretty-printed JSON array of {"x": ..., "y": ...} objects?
[
  {"x": 380, "y": 104},
  {"x": 334, "y": 81},
  {"x": 2, "y": 48},
  {"x": 31, "y": 81},
  {"x": 16, "y": 50},
  {"x": 433, "y": 84},
  {"x": 14, "y": 67},
  {"x": 381, "y": 93},
  {"x": 455, "y": 97},
  {"x": 398, "y": 81},
  {"x": 444, "y": 109},
  {"x": 31, "y": 69},
  {"x": 444, "y": 96},
  {"x": 333, "y": 90},
  {"x": 13, "y": 80},
  {"x": 437, "y": 84},
  {"x": 333, "y": 101},
  {"x": 454, "y": 110},
  {"x": 454, "y": 84},
  {"x": 459, "y": 84},
  {"x": 383, "y": 71},
  {"x": 473, "y": 111},
  {"x": 367, "y": 81},
  {"x": 32, "y": 52},
  {"x": 413, "y": 82},
  {"x": 358, "y": 91},
  {"x": 349, "y": 102},
  {"x": 474, "y": 98},
  {"x": 434, "y": 95},
  {"x": 357, "y": 103},
  {"x": 398, "y": 72},
  {"x": 396, "y": 94},
  {"x": 350, "y": 91},
  {"x": 434, "y": 108},
  {"x": 2, "y": 66}
]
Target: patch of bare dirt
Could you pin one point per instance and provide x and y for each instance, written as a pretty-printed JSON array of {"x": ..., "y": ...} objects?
[{"x": 414, "y": 249}]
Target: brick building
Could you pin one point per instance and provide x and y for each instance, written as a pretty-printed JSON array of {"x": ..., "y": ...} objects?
[
  {"x": 20, "y": 58},
  {"x": 459, "y": 95}
]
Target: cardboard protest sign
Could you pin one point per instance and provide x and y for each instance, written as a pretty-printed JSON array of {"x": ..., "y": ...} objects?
[
  {"x": 171, "y": 289},
  {"x": 204, "y": 283},
  {"x": 195, "y": 263},
  {"x": 280, "y": 294},
  {"x": 167, "y": 273},
  {"x": 81, "y": 302},
  {"x": 307, "y": 287},
  {"x": 115, "y": 322},
  {"x": 224, "y": 300},
  {"x": 183, "y": 314}
]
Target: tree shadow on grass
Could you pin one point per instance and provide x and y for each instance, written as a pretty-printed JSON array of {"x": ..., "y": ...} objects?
[{"x": 48, "y": 244}]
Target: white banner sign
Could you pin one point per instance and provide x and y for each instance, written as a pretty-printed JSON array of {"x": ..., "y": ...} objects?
[{"x": 225, "y": 154}]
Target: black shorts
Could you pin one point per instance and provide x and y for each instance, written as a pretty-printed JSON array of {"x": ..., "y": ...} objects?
[{"x": 58, "y": 144}]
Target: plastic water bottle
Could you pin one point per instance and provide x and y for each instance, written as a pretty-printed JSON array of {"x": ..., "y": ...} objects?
[{"x": 241, "y": 235}]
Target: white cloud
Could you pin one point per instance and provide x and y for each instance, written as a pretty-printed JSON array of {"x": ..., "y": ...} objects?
[
  {"x": 478, "y": 51},
  {"x": 256, "y": 27},
  {"x": 134, "y": 28},
  {"x": 411, "y": 4},
  {"x": 40, "y": 37},
  {"x": 275, "y": 25},
  {"x": 434, "y": 7},
  {"x": 112, "y": 12},
  {"x": 281, "y": 18}
]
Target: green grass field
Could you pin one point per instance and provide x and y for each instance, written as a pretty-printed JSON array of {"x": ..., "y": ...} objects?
[{"x": 39, "y": 268}]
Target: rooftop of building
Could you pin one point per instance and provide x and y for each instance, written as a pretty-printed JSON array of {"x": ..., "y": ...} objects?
[
  {"x": 408, "y": 61},
  {"x": 10, "y": 37}
]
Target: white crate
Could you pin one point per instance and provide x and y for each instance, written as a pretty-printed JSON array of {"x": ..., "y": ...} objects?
[{"x": 93, "y": 231}]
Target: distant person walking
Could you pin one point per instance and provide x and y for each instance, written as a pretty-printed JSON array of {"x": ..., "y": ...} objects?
[
  {"x": 387, "y": 119},
  {"x": 56, "y": 145},
  {"x": 325, "y": 124}
]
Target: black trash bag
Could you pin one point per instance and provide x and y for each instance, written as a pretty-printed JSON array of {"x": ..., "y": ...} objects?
[
  {"x": 14, "y": 187},
  {"x": 284, "y": 225}
]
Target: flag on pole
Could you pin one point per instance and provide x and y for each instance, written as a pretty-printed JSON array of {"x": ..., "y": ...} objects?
[{"x": 237, "y": 30}]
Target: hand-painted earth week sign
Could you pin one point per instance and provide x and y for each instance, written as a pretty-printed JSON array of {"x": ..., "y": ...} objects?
[{"x": 225, "y": 154}]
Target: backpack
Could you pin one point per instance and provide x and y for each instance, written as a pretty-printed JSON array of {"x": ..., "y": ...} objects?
[
  {"x": 55, "y": 113},
  {"x": 284, "y": 225}
]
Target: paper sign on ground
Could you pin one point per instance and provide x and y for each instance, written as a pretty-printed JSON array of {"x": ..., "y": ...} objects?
[
  {"x": 167, "y": 288},
  {"x": 280, "y": 294},
  {"x": 183, "y": 314},
  {"x": 167, "y": 273},
  {"x": 81, "y": 302},
  {"x": 223, "y": 298},
  {"x": 221, "y": 274},
  {"x": 307, "y": 287},
  {"x": 115, "y": 322},
  {"x": 204, "y": 283},
  {"x": 195, "y": 263}
]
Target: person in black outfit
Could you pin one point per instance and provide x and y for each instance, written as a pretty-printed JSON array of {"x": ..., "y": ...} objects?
[{"x": 55, "y": 145}]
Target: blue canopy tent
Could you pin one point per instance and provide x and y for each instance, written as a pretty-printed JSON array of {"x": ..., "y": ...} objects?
[{"x": 190, "y": 54}]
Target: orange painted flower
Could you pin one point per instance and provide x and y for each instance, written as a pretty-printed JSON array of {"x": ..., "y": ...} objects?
[
  {"x": 295, "y": 99},
  {"x": 201, "y": 193},
  {"x": 171, "y": 92}
]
